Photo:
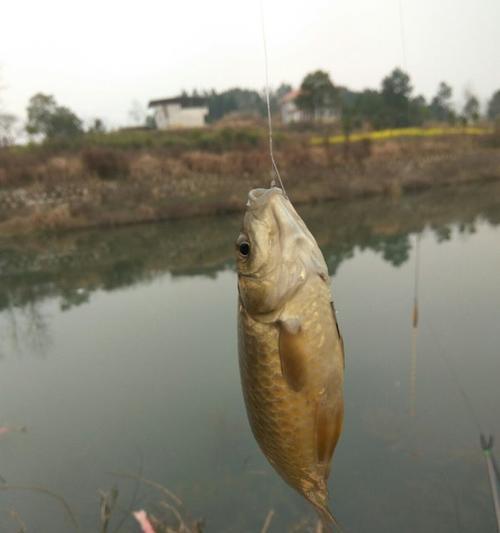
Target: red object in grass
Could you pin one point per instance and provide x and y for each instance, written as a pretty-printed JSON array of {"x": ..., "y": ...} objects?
[{"x": 144, "y": 522}]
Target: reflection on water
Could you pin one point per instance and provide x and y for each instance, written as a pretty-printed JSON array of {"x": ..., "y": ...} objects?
[
  {"x": 414, "y": 332},
  {"x": 74, "y": 265},
  {"x": 118, "y": 350},
  {"x": 25, "y": 330}
]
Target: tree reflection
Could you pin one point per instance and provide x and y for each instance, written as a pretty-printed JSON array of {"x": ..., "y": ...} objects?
[
  {"x": 72, "y": 266},
  {"x": 73, "y": 298},
  {"x": 123, "y": 273},
  {"x": 443, "y": 233},
  {"x": 395, "y": 249},
  {"x": 36, "y": 331},
  {"x": 25, "y": 330}
]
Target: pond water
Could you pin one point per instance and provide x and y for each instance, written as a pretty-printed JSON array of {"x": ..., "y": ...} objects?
[{"x": 118, "y": 355}]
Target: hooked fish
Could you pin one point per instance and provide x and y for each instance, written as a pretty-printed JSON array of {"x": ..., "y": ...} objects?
[{"x": 291, "y": 352}]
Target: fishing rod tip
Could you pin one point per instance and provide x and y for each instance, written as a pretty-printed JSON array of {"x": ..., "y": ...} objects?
[{"x": 486, "y": 443}]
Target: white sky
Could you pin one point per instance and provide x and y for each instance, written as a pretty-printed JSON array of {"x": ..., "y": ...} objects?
[{"x": 98, "y": 56}]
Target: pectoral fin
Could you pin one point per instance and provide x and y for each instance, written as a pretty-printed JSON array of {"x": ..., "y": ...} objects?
[{"x": 293, "y": 355}]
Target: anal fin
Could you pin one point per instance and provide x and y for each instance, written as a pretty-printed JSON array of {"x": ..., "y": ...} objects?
[{"x": 329, "y": 420}]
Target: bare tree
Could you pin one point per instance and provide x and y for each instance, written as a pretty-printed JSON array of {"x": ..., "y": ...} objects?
[
  {"x": 471, "y": 109},
  {"x": 137, "y": 113},
  {"x": 7, "y": 130},
  {"x": 7, "y": 123}
]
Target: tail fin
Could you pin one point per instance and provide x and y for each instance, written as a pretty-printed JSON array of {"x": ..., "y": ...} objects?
[{"x": 328, "y": 521}]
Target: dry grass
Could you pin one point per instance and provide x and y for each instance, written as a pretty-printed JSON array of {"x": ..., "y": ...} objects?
[
  {"x": 67, "y": 190},
  {"x": 105, "y": 163},
  {"x": 168, "y": 516},
  {"x": 46, "y": 492}
]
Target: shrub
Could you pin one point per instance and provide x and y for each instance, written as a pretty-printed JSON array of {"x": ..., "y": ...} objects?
[
  {"x": 207, "y": 163},
  {"x": 18, "y": 168},
  {"x": 493, "y": 139},
  {"x": 105, "y": 163}
]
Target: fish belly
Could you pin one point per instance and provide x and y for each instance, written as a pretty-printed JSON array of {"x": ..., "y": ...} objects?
[{"x": 285, "y": 422}]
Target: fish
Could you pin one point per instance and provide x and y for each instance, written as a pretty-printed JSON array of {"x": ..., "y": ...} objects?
[{"x": 291, "y": 352}]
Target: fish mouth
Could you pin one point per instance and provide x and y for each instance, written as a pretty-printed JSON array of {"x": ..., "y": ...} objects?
[
  {"x": 249, "y": 276},
  {"x": 258, "y": 197}
]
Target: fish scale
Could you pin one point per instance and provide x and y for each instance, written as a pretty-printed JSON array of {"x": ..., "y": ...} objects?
[
  {"x": 282, "y": 420},
  {"x": 290, "y": 349}
]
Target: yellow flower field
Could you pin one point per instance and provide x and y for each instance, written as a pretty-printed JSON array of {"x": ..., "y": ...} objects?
[{"x": 404, "y": 132}]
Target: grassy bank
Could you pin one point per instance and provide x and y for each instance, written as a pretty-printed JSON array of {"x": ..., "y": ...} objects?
[{"x": 139, "y": 176}]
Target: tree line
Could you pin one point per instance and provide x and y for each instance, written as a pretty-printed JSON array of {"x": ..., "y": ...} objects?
[{"x": 393, "y": 105}]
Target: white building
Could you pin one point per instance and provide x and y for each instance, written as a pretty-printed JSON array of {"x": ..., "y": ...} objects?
[
  {"x": 289, "y": 110},
  {"x": 291, "y": 113},
  {"x": 179, "y": 112}
]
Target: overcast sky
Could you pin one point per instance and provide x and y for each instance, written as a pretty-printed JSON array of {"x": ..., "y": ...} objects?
[{"x": 97, "y": 56}]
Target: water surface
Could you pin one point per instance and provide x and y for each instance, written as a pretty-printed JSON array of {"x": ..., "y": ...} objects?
[{"x": 118, "y": 354}]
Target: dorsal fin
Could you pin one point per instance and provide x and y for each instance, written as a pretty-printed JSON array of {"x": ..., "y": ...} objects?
[{"x": 341, "y": 339}]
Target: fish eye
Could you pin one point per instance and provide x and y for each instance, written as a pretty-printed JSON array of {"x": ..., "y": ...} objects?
[{"x": 244, "y": 248}]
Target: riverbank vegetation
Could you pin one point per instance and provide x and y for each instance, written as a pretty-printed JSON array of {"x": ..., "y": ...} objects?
[
  {"x": 347, "y": 144},
  {"x": 124, "y": 178}
]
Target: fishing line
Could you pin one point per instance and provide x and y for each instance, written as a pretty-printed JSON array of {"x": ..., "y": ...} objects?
[
  {"x": 440, "y": 350},
  {"x": 486, "y": 445},
  {"x": 402, "y": 30},
  {"x": 451, "y": 370},
  {"x": 274, "y": 167},
  {"x": 403, "y": 52},
  {"x": 417, "y": 274},
  {"x": 414, "y": 331}
]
